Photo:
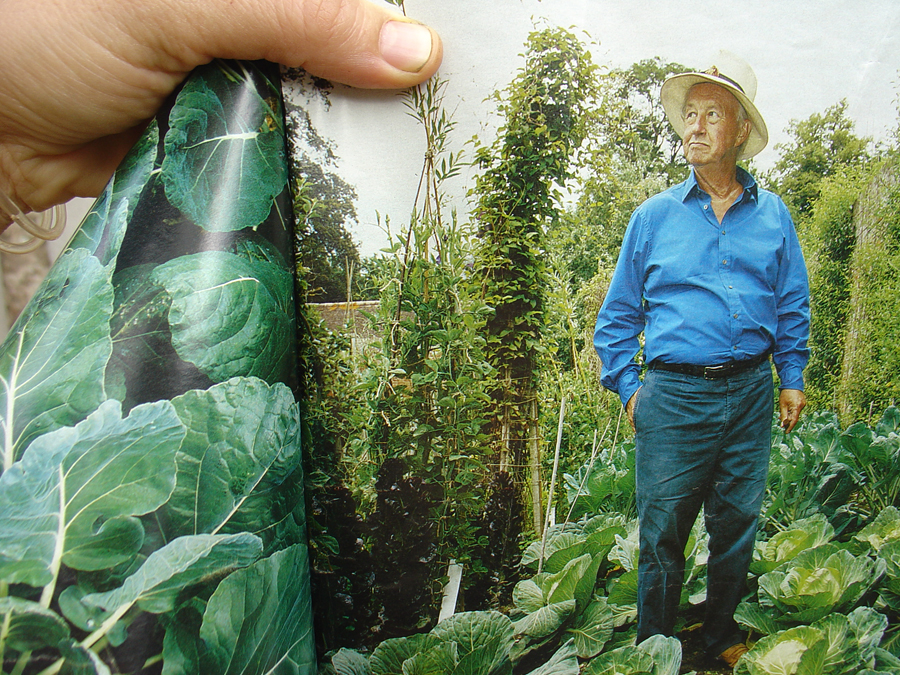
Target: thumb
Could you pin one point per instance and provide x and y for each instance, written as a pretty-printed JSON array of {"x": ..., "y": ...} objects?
[
  {"x": 83, "y": 76},
  {"x": 354, "y": 42}
]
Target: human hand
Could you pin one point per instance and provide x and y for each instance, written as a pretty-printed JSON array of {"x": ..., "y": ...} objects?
[
  {"x": 82, "y": 77},
  {"x": 629, "y": 408},
  {"x": 790, "y": 403}
]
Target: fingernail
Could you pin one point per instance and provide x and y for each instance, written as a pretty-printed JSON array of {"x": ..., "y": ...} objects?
[{"x": 406, "y": 46}]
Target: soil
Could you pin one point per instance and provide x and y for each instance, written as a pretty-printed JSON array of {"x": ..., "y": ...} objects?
[{"x": 694, "y": 658}]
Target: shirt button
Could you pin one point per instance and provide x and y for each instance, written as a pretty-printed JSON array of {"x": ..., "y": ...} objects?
[
  {"x": 723, "y": 231},
  {"x": 735, "y": 316},
  {"x": 724, "y": 262},
  {"x": 705, "y": 207}
]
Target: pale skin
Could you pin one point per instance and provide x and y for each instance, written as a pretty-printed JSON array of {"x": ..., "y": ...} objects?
[
  {"x": 714, "y": 133},
  {"x": 81, "y": 78}
]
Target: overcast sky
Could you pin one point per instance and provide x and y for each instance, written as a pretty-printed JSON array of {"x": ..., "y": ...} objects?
[{"x": 807, "y": 56}]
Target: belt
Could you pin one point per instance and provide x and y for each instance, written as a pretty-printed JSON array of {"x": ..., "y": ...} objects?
[{"x": 711, "y": 372}]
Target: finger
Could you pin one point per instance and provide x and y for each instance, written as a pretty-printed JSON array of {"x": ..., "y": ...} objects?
[
  {"x": 350, "y": 41},
  {"x": 789, "y": 419},
  {"x": 83, "y": 172}
]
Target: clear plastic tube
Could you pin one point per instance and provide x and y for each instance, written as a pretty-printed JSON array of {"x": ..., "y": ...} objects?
[{"x": 43, "y": 226}]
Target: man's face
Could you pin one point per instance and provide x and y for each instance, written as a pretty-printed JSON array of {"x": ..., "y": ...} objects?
[{"x": 712, "y": 131}]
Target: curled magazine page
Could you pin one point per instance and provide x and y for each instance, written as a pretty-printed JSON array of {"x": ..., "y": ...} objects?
[{"x": 152, "y": 504}]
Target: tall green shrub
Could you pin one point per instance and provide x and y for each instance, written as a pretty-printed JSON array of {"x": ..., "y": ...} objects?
[
  {"x": 829, "y": 240},
  {"x": 871, "y": 360},
  {"x": 518, "y": 196}
]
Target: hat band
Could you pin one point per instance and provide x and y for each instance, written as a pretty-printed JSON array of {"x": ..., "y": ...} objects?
[{"x": 715, "y": 73}]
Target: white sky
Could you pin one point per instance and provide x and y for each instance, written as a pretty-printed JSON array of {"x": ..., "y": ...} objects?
[{"x": 807, "y": 56}]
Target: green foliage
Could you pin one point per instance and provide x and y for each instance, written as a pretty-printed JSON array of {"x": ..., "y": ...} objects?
[
  {"x": 802, "y": 481},
  {"x": 604, "y": 484},
  {"x": 631, "y": 154},
  {"x": 121, "y": 515},
  {"x": 544, "y": 111},
  {"x": 872, "y": 456},
  {"x": 210, "y": 152},
  {"x": 829, "y": 239},
  {"x": 883, "y": 530},
  {"x": 834, "y": 645},
  {"x": 821, "y": 146},
  {"x": 872, "y": 361},
  {"x": 414, "y": 398},
  {"x": 847, "y": 475},
  {"x": 518, "y": 196},
  {"x": 889, "y": 592},
  {"x": 560, "y": 601},
  {"x": 323, "y": 202}
]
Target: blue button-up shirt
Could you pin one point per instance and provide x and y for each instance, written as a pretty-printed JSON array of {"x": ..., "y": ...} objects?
[{"x": 705, "y": 292}]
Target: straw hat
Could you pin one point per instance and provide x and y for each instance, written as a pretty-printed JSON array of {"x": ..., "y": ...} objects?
[{"x": 732, "y": 73}]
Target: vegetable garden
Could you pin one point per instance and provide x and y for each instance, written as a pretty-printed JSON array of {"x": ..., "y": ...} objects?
[{"x": 473, "y": 430}]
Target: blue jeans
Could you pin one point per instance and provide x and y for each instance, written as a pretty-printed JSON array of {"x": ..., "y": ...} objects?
[{"x": 699, "y": 443}]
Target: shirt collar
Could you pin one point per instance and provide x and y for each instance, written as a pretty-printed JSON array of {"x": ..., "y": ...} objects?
[{"x": 690, "y": 186}]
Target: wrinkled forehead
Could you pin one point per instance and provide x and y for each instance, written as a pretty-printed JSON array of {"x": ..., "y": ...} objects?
[{"x": 709, "y": 95}]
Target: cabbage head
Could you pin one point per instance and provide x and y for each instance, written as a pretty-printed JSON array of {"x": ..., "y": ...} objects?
[
  {"x": 816, "y": 583},
  {"x": 783, "y": 546},
  {"x": 834, "y": 645}
]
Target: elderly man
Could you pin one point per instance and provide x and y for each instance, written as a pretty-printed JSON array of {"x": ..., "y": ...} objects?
[{"x": 712, "y": 273}]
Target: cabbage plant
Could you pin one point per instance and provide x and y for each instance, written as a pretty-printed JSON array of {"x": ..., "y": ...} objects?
[
  {"x": 812, "y": 585},
  {"x": 834, "y": 645},
  {"x": 657, "y": 655},
  {"x": 468, "y": 643},
  {"x": 883, "y": 530},
  {"x": 785, "y": 545}
]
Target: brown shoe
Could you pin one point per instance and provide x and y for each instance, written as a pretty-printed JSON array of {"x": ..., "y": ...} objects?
[{"x": 733, "y": 654}]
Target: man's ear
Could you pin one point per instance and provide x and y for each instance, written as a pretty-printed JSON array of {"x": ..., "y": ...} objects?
[{"x": 744, "y": 133}]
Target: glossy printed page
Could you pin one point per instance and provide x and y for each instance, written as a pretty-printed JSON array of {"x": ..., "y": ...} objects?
[
  {"x": 456, "y": 242},
  {"x": 152, "y": 486}
]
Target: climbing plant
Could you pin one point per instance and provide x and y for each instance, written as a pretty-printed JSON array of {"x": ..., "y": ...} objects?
[{"x": 518, "y": 196}]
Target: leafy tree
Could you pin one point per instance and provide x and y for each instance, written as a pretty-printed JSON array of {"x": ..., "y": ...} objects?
[
  {"x": 323, "y": 203},
  {"x": 820, "y": 147},
  {"x": 631, "y": 153},
  {"x": 518, "y": 196},
  {"x": 634, "y": 124}
]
